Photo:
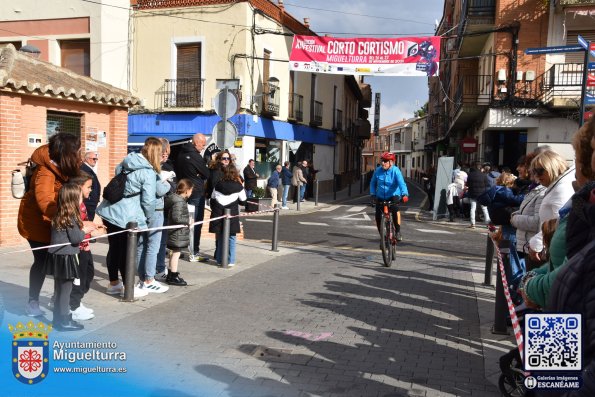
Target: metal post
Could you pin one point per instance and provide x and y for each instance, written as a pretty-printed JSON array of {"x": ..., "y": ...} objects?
[
  {"x": 361, "y": 183},
  {"x": 275, "y": 228},
  {"x": 349, "y": 189},
  {"x": 334, "y": 187},
  {"x": 581, "y": 115},
  {"x": 487, "y": 279},
  {"x": 316, "y": 192},
  {"x": 500, "y": 306},
  {"x": 298, "y": 197},
  {"x": 191, "y": 209},
  {"x": 225, "y": 239},
  {"x": 131, "y": 248}
]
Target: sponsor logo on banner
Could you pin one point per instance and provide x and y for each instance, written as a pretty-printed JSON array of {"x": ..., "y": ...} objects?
[
  {"x": 408, "y": 56},
  {"x": 30, "y": 351}
]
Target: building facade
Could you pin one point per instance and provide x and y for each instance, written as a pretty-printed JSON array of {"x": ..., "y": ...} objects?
[
  {"x": 489, "y": 89},
  {"x": 179, "y": 53},
  {"x": 38, "y": 99}
]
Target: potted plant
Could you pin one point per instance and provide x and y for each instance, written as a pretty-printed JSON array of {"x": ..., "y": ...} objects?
[{"x": 258, "y": 201}]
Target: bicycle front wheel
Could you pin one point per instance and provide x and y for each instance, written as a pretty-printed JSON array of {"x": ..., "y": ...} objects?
[{"x": 385, "y": 243}]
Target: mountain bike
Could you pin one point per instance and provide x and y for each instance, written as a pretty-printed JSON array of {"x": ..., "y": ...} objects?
[{"x": 388, "y": 233}]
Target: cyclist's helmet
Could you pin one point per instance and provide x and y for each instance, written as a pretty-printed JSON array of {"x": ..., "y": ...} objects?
[{"x": 387, "y": 156}]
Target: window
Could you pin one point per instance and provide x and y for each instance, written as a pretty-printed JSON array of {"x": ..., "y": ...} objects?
[
  {"x": 188, "y": 78},
  {"x": 63, "y": 122},
  {"x": 572, "y": 38},
  {"x": 267, "y": 155},
  {"x": 75, "y": 55}
]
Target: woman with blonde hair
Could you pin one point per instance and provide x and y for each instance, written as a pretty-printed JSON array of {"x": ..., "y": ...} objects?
[
  {"x": 138, "y": 204},
  {"x": 550, "y": 170}
]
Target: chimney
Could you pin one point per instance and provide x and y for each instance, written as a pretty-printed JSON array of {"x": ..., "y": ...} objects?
[{"x": 307, "y": 22}]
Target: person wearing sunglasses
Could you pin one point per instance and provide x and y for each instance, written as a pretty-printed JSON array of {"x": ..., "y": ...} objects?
[
  {"x": 550, "y": 170},
  {"x": 89, "y": 166},
  {"x": 386, "y": 184}
]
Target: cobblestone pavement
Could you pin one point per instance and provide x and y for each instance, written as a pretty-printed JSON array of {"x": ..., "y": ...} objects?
[{"x": 318, "y": 321}]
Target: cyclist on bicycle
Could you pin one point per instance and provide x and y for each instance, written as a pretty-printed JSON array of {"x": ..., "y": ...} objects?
[{"x": 388, "y": 184}]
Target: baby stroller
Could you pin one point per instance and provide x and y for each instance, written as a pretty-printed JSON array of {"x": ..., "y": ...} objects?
[{"x": 512, "y": 380}]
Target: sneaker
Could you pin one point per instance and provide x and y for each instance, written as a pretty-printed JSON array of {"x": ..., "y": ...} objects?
[
  {"x": 115, "y": 289},
  {"x": 197, "y": 258},
  {"x": 138, "y": 292},
  {"x": 32, "y": 309},
  {"x": 285, "y": 208},
  {"x": 231, "y": 264},
  {"x": 85, "y": 308},
  {"x": 471, "y": 226},
  {"x": 51, "y": 302},
  {"x": 80, "y": 314},
  {"x": 154, "y": 286},
  {"x": 161, "y": 276},
  {"x": 399, "y": 237}
]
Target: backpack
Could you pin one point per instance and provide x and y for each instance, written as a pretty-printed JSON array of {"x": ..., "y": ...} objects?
[
  {"x": 114, "y": 191},
  {"x": 19, "y": 184}
]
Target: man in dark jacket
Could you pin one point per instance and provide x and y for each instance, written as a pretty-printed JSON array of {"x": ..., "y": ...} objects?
[
  {"x": 273, "y": 184},
  {"x": 286, "y": 176},
  {"x": 250, "y": 178},
  {"x": 191, "y": 165},
  {"x": 89, "y": 163},
  {"x": 477, "y": 183}
]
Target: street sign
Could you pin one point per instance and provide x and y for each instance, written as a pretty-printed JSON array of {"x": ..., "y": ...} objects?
[
  {"x": 224, "y": 134},
  {"x": 591, "y": 80},
  {"x": 226, "y": 104},
  {"x": 583, "y": 42},
  {"x": 591, "y": 65},
  {"x": 554, "y": 49},
  {"x": 376, "y": 114},
  {"x": 230, "y": 84},
  {"x": 589, "y": 99}
]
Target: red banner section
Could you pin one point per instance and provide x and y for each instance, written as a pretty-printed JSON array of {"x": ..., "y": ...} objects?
[{"x": 407, "y": 56}]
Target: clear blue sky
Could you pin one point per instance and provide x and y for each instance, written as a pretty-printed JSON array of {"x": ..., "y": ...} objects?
[{"x": 382, "y": 17}]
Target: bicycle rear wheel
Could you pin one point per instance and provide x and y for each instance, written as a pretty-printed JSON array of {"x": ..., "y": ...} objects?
[
  {"x": 393, "y": 243},
  {"x": 385, "y": 243}
]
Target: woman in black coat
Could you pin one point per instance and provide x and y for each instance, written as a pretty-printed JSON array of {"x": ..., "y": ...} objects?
[{"x": 228, "y": 194}]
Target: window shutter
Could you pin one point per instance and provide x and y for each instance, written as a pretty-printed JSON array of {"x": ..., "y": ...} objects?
[
  {"x": 572, "y": 38},
  {"x": 188, "y": 61}
]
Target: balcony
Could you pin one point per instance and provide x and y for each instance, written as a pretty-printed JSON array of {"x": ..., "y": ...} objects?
[
  {"x": 296, "y": 108},
  {"x": 562, "y": 85},
  {"x": 180, "y": 93},
  {"x": 574, "y": 3},
  {"x": 476, "y": 15},
  {"x": 316, "y": 114},
  {"x": 270, "y": 99},
  {"x": 338, "y": 120},
  {"x": 363, "y": 129},
  {"x": 473, "y": 95}
]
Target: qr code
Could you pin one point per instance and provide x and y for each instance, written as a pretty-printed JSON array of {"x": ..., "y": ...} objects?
[{"x": 553, "y": 342}]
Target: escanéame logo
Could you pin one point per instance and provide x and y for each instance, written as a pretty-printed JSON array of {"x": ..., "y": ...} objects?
[{"x": 30, "y": 351}]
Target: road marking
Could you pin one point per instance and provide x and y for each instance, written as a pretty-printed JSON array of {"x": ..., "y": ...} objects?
[
  {"x": 313, "y": 223},
  {"x": 329, "y": 209},
  {"x": 356, "y": 209},
  {"x": 257, "y": 220},
  {"x": 434, "y": 231},
  {"x": 366, "y": 227},
  {"x": 362, "y": 216}
]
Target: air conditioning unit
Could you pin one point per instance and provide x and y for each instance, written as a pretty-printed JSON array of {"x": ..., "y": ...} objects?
[
  {"x": 530, "y": 75},
  {"x": 502, "y": 75}
]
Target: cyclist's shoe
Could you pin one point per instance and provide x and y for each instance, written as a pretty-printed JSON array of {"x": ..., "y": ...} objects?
[{"x": 399, "y": 237}]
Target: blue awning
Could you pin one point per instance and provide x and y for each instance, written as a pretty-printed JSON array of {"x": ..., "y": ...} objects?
[{"x": 181, "y": 126}]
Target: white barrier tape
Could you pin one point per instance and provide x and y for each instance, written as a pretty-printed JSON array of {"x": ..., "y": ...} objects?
[
  {"x": 516, "y": 328},
  {"x": 130, "y": 230}
]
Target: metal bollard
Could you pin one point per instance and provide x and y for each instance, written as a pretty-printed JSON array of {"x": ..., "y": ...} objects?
[
  {"x": 225, "y": 240},
  {"x": 316, "y": 192},
  {"x": 297, "y": 196},
  {"x": 334, "y": 187},
  {"x": 275, "y": 228},
  {"x": 487, "y": 279},
  {"x": 349, "y": 189},
  {"x": 500, "y": 306},
  {"x": 131, "y": 248},
  {"x": 361, "y": 183}
]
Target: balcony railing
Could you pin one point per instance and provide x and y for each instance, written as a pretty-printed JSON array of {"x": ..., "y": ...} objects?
[
  {"x": 270, "y": 99},
  {"x": 570, "y": 3},
  {"x": 563, "y": 81},
  {"x": 316, "y": 117},
  {"x": 473, "y": 91},
  {"x": 338, "y": 120},
  {"x": 296, "y": 107},
  {"x": 180, "y": 93}
]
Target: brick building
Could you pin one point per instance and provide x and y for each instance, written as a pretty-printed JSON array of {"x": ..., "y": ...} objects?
[
  {"x": 491, "y": 90},
  {"x": 38, "y": 99}
]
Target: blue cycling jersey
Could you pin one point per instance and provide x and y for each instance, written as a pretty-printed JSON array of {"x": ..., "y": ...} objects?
[{"x": 388, "y": 183}]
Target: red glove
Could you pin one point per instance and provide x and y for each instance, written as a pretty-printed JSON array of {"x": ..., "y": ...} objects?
[{"x": 405, "y": 199}]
